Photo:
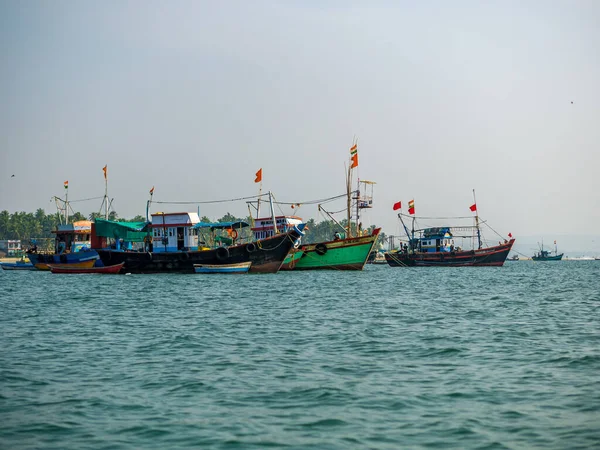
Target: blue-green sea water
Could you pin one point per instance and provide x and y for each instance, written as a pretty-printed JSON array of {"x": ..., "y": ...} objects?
[{"x": 388, "y": 358}]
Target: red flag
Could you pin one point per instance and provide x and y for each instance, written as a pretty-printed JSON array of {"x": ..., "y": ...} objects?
[
  {"x": 510, "y": 235},
  {"x": 354, "y": 159},
  {"x": 258, "y": 178},
  {"x": 473, "y": 207},
  {"x": 411, "y": 207},
  {"x": 104, "y": 168},
  {"x": 152, "y": 190},
  {"x": 397, "y": 206}
]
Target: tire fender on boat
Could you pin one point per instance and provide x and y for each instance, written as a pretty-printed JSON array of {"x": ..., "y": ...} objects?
[
  {"x": 320, "y": 249},
  {"x": 251, "y": 247},
  {"x": 222, "y": 253}
]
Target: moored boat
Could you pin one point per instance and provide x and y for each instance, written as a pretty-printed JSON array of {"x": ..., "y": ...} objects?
[
  {"x": 435, "y": 246},
  {"x": 68, "y": 268},
  {"x": 545, "y": 255},
  {"x": 350, "y": 248},
  {"x": 223, "y": 268},
  {"x": 172, "y": 246},
  {"x": 71, "y": 245},
  {"x": 17, "y": 265}
]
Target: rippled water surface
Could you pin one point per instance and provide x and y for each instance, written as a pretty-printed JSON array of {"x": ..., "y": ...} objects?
[{"x": 382, "y": 359}]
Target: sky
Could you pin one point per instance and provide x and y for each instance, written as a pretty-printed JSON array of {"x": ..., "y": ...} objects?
[{"x": 193, "y": 97}]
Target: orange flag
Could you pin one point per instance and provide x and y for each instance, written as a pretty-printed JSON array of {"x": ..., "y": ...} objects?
[
  {"x": 354, "y": 156},
  {"x": 152, "y": 190},
  {"x": 104, "y": 168},
  {"x": 258, "y": 178},
  {"x": 67, "y": 184}
]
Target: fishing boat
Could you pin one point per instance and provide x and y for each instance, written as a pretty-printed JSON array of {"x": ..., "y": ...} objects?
[
  {"x": 172, "y": 245},
  {"x": 436, "y": 246},
  {"x": 514, "y": 257},
  {"x": 223, "y": 268},
  {"x": 349, "y": 248},
  {"x": 545, "y": 255},
  {"x": 68, "y": 268},
  {"x": 17, "y": 265}
]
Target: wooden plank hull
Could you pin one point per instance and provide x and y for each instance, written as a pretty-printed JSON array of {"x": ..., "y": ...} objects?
[
  {"x": 76, "y": 265},
  {"x": 491, "y": 256},
  {"x": 343, "y": 254},
  {"x": 265, "y": 256},
  {"x": 68, "y": 268},
  {"x": 222, "y": 268},
  {"x": 64, "y": 258}
]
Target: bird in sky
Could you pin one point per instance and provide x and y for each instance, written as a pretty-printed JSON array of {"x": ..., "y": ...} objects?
[
  {"x": 12, "y": 175},
  {"x": 571, "y": 103}
]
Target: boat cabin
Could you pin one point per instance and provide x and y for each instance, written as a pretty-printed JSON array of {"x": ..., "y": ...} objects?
[
  {"x": 263, "y": 227},
  {"x": 172, "y": 232},
  {"x": 73, "y": 237},
  {"x": 212, "y": 234},
  {"x": 433, "y": 240}
]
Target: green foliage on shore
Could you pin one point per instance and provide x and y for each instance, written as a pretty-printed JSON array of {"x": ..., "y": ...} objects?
[{"x": 39, "y": 225}]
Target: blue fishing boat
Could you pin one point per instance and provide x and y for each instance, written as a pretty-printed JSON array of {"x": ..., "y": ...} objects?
[
  {"x": 18, "y": 265},
  {"x": 71, "y": 245}
]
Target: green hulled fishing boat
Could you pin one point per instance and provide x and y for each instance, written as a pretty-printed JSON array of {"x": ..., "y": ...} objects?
[
  {"x": 346, "y": 251},
  {"x": 545, "y": 255}
]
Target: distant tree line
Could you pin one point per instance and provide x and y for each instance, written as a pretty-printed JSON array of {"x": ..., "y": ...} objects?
[{"x": 39, "y": 225}]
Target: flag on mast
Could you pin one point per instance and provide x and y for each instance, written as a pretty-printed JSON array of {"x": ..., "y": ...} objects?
[
  {"x": 397, "y": 206},
  {"x": 411, "y": 207},
  {"x": 258, "y": 178},
  {"x": 104, "y": 169},
  {"x": 473, "y": 207},
  {"x": 354, "y": 156},
  {"x": 152, "y": 190},
  {"x": 67, "y": 184}
]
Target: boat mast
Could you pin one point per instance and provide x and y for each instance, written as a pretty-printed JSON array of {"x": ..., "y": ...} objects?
[
  {"x": 275, "y": 231},
  {"x": 67, "y": 204},
  {"x": 405, "y": 229},
  {"x": 349, "y": 202},
  {"x": 105, "y": 195},
  {"x": 477, "y": 221}
]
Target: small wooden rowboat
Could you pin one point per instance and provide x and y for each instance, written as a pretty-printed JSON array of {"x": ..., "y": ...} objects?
[
  {"x": 222, "y": 268},
  {"x": 66, "y": 268}
]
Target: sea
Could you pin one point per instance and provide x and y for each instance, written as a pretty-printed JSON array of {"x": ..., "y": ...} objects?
[{"x": 387, "y": 358}]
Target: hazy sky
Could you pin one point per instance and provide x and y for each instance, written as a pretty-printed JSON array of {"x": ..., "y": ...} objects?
[{"x": 194, "y": 97}]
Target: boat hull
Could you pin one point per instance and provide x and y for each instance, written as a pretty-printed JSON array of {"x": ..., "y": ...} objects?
[
  {"x": 222, "y": 268},
  {"x": 490, "y": 256},
  {"x": 64, "y": 258},
  {"x": 68, "y": 268},
  {"x": 548, "y": 258},
  {"x": 265, "y": 256},
  {"x": 75, "y": 265},
  {"x": 17, "y": 266},
  {"x": 343, "y": 254}
]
